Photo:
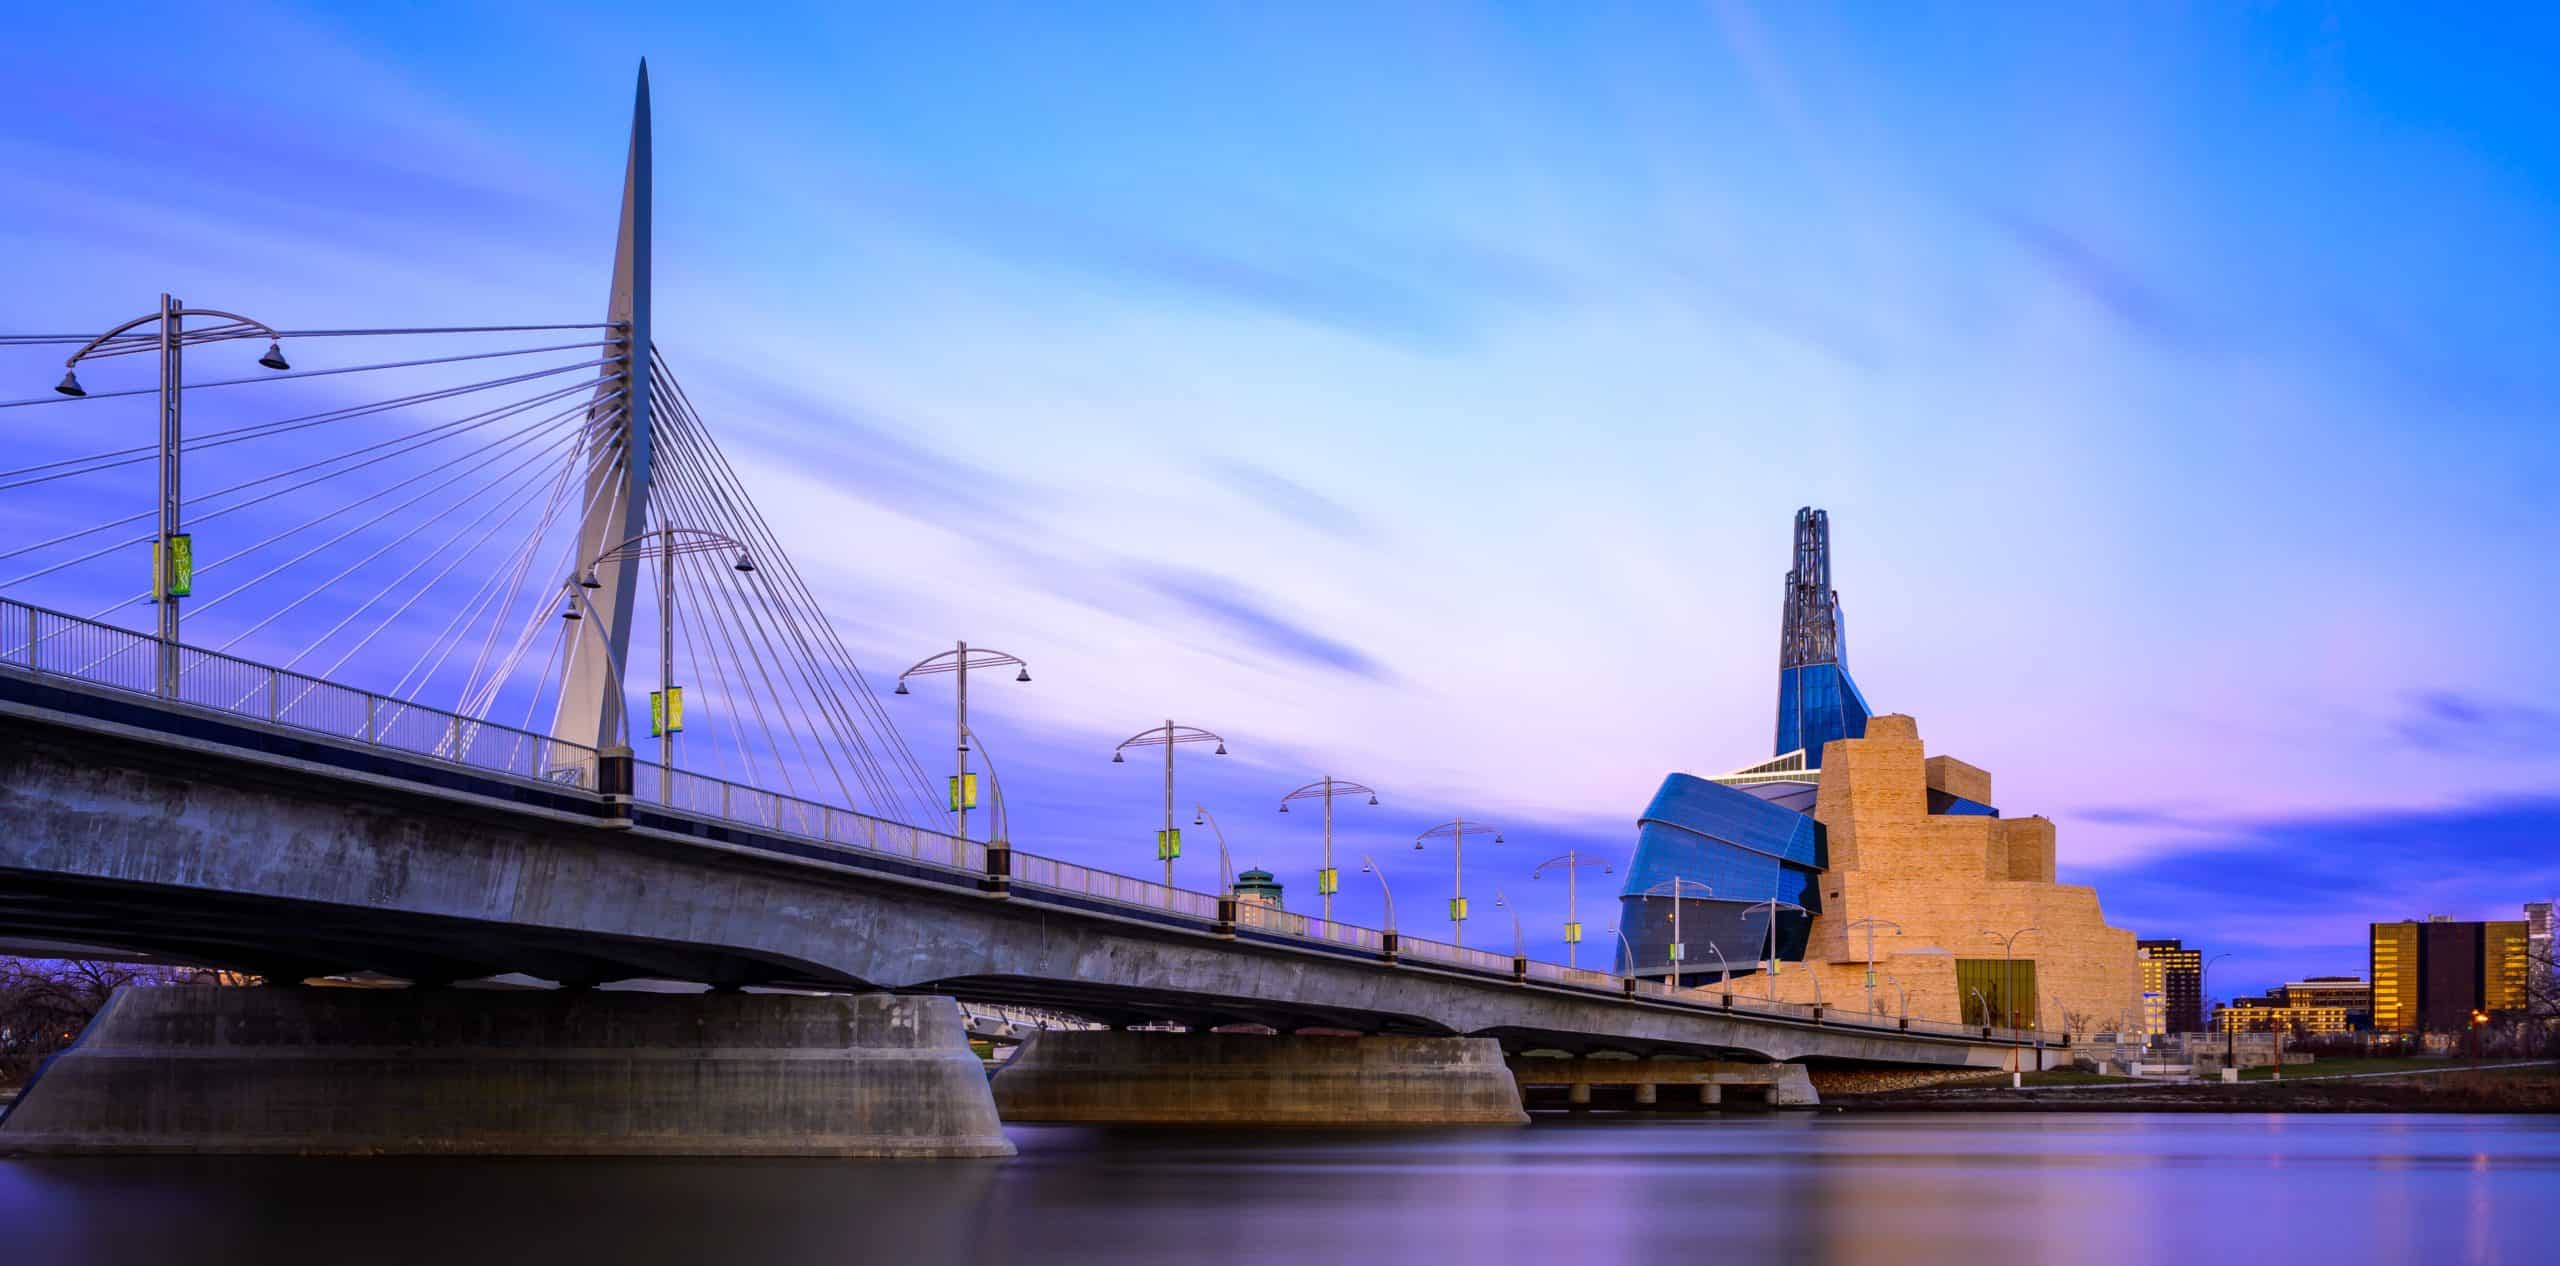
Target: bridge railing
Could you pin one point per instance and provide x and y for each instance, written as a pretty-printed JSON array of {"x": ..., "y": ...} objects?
[
  {"x": 1048, "y": 872},
  {"x": 1578, "y": 977},
  {"x": 1264, "y": 918},
  {"x": 1454, "y": 955},
  {"x": 702, "y": 795},
  {"x": 51, "y": 644}
]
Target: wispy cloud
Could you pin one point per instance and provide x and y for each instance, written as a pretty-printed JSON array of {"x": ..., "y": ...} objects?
[
  {"x": 1435, "y": 293},
  {"x": 2449, "y": 721},
  {"x": 2109, "y": 284},
  {"x": 1237, "y": 613},
  {"x": 866, "y": 456},
  {"x": 1292, "y": 500},
  {"x": 2305, "y": 885}
]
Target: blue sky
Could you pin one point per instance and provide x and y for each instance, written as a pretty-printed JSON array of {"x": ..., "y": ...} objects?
[{"x": 1422, "y": 394}]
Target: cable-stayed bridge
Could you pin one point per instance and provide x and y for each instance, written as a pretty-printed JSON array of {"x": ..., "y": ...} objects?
[{"x": 423, "y": 610}]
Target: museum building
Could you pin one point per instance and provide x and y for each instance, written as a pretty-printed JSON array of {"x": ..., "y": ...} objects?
[{"x": 1854, "y": 869}]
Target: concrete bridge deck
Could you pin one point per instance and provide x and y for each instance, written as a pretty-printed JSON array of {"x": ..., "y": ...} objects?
[{"x": 159, "y": 827}]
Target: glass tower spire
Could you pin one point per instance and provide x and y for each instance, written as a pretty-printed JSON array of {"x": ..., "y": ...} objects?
[{"x": 1817, "y": 700}]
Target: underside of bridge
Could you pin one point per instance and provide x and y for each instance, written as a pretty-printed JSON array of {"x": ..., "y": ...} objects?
[{"x": 200, "y": 839}]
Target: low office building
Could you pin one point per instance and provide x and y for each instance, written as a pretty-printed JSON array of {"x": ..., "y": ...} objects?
[
  {"x": 2277, "y": 1014},
  {"x": 2351, "y": 995}
]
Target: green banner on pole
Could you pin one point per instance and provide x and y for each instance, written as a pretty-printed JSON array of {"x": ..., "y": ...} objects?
[
  {"x": 179, "y": 578},
  {"x": 1168, "y": 844},
  {"x": 964, "y": 792}
]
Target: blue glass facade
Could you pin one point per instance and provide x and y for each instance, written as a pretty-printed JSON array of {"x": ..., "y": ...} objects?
[
  {"x": 1816, "y": 704},
  {"x": 1726, "y": 848},
  {"x": 1948, "y": 802}
]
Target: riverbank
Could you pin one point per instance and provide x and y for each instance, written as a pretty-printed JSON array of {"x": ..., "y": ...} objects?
[{"x": 2526, "y": 1088}]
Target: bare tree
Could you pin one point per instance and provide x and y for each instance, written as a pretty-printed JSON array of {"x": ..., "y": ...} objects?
[
  {"x": 46, "y": 1002},
  {"x": 2540, "y": 1031}
]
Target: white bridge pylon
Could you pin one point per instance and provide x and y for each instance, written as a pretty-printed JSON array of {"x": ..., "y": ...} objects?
[{"x": 619, "y": 469}]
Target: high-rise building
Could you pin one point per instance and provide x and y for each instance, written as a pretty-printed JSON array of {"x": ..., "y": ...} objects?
[
  {"x": 2176, "y": 974},
  {"x": 2434, "y": 976}
]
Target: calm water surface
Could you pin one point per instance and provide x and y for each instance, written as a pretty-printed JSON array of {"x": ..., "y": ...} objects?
[{"x": 2087, "y": 1190}]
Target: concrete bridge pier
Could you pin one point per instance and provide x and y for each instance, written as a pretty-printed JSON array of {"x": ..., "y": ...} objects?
[
  {"x": 1699, "y": 1081},
  {"x": 1155, "y": 1078},
  {"x": 364, "y": 1071}
]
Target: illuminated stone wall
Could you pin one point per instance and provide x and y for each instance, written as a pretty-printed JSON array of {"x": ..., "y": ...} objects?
[{"x": 1946, "y": 879}]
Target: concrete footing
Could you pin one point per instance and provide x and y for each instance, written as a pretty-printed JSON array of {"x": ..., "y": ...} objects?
[
  {"x": 1705, "y": 1083},
  {"x": 1242, "y": 1079},
  {"x": 357, "y": 1071}
]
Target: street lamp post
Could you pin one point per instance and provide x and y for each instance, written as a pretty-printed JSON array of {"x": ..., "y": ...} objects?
[
  {"x": 2204, "y": 973},
  {"x": 2009, "y": 970},
  {"x": 1630, "y": 947},
  {"x": 1386, "y": 894},
  {"x": 667, "y": 544},
  {"x": 172, "y": 553},
  {"x": 1519, "y": 941},
  {"x": 1724, "y": 974},
  {"x": 958, "y": 662},
  {"x": 999, "y": 830},
  {"x": 1871, "y": 925},
  {"x": 1905, "y": 996},
  {"x": 1679, "y": 951},
  {"x": 575, "y": 610},
  {"x": 1571, "y": 862},
  {"x": 1455, "y": 830},
  {"x": 1327, "y": 880},
  {"x": 1201, "y": 816},
  {"x": 1772, "y": 906},
  {"x": 1168, "y": 844}
]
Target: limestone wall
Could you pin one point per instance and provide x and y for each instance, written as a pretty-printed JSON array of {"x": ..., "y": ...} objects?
[{"x": 1946, "y": 880}]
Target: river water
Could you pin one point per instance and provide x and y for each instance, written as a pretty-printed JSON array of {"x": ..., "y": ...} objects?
[{"x": 2093, "y": 1190}]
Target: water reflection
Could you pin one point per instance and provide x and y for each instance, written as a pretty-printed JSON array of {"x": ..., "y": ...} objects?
[{"x": 1848, "y": 1189}]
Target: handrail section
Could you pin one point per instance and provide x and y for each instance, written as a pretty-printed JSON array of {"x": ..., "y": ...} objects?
[{"x": 48, "y": 643}]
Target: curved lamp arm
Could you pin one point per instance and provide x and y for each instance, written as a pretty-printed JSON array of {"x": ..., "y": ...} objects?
[
  {"x": 612, "y": 664},
  {"x": 93, "y": 344}
]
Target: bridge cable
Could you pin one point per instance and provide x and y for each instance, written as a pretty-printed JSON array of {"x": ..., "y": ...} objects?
[
  {"x": 315, "y": 521},
  {"x": 495, "y": 452},
  {"x": 289, "y": 375},
  {"x": 513, "y": 506},
  {"x": 455, "y": 631},
  {"x": 827, "y": 704},
  {"x": 114, "y": 458},
  {"x": 199, "y": 506},
  {"x": 722, "y": 481}
]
